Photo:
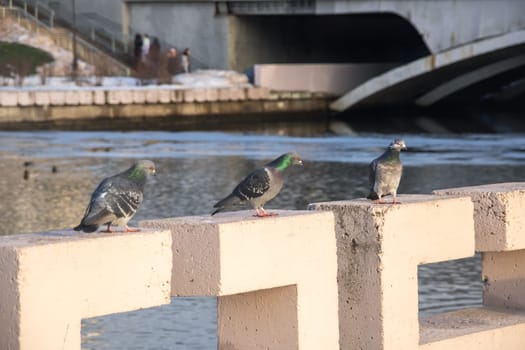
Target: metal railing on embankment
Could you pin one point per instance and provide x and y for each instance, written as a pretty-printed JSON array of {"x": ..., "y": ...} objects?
[{"x": 41, "y": 19}]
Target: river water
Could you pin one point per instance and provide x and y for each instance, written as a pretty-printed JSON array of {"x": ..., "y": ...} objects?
[{"x": 195, "y": 169}]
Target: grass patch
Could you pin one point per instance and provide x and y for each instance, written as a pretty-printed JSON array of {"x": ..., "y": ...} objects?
[{"x": 24, "y": 59}]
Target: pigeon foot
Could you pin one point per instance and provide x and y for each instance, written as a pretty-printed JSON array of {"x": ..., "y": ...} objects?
[
  {"x": 108, "y": 230},
  {"x": 379, "y": 201},
  {"x": 263, "y": 213},
  {"x": 131, "y": 229}
]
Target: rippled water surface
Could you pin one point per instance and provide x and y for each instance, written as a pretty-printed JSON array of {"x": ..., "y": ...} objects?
[{"x": 198, "y": 168}]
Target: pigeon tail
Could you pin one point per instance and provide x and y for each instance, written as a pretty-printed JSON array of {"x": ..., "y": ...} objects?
[
  {"x": 227, "y": 202},
  {"x": 372, "y": 195},
  {"x": 86, "y": 228}
]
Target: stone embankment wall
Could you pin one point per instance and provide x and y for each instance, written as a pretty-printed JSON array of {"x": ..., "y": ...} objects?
[
  {"x": 48, "y": 105},
  {"x": 342, "y": 275}
]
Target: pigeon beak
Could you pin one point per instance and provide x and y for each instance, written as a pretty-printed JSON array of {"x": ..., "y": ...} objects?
[{"x": 299, "y": 162}]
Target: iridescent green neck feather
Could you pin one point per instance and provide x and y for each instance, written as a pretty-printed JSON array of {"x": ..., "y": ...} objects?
[{"x": 137, "y": 173}]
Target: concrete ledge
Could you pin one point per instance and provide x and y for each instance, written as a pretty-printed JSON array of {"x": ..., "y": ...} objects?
[
  {"x": 8, "y": 99},
  {"x": 477, "y": 328},
  {"x": 379, "y": 248},
  {"x": 42, "y": 98},
  {"x": 51, "y": 280},
  {"x": 72, "y": 97},
  {"x": 498, "y": 211},
  {"x": 275, "y": 277},
  {"x": 26, "y": 98},
  {"x": 57, "y": 98},
  {"x": 99, "y": 97},
  {"x": 164, "y": 96}
]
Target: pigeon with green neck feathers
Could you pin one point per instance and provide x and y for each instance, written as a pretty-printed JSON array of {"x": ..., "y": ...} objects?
[
  {"x": 260, "y": 186},
  {"x": 385, "y": 173},
  {"x": 117, "y": 198}
]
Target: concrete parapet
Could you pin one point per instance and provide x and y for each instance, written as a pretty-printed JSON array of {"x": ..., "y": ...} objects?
[
  {"x": 189, "y": 96},
  {"x": 257, "y": 93},
  {"x": 42, "y": 98},
  {"x": 237, "y": 94},
  {"x": 51, "y": 280},
  {"x": 200, "y": 94},
  {"x": 139, "y": 96},
  {"x": 152, "y": 96},
  {"x": 379, "y": 248},
  {"x": 498, "y": 212},
  {"x": 8, "y": 99},
  {"x": 57, "y": 98},
  {"x": 275, "y": 278},
  {"x": 212, "y": 95},
  {"x": 177, "y": 96},
  {"x": 164, "y": 96},
  {"x": 225, "y": 94},
  {"x": 26, "y": 98},
  {"x": 72, "y": 97},
  {"x": 99, "y": 97},
  {"x": 85, "y": 97},
  {"x": 126, "y": 97},
  {"x": 113, "y": 97}
]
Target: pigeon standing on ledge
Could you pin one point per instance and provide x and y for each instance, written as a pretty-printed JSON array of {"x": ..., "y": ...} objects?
[
  {"x": 385, "y": 173},
  {"x": 260, "y": 186},
  {"x": 117, "y": 198}
]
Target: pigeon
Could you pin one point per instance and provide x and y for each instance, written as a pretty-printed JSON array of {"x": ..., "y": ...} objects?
[
  {"x": 260, "y": 186},
  {"x": 117, "y": 198},
  {"x": 385, "y": 173}
]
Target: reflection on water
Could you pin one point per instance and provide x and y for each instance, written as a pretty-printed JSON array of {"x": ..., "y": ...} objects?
[{"x": 195, "y": 169}]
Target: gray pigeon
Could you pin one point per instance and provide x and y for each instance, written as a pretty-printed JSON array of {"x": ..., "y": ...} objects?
[
  {"x": 117, "y": 198},
  {"x": 260, "y": 186},
  {"x": 385, "y": 172}
]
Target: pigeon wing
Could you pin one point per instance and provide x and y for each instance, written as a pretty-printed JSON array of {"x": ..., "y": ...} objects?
[
  {"x": 254, "y": 185},
  {"x": 98, "y": 211}
]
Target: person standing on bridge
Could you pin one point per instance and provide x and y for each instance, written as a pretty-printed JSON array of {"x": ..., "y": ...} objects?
[
  {"x": 145, "y": 47},
  {"x": 137, "y": 50},
  {"x": 172, "y": 59},
  {"x": 154, "y": 57},
  {"x": 186, "y": 64}
]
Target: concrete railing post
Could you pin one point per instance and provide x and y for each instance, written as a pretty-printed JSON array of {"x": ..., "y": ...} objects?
[
  {"x": 379, "y": 248},
  {"x": 49, "y": 281},
  {"x": 500, "y": 237},
  {"x": 275, "y": 278}
]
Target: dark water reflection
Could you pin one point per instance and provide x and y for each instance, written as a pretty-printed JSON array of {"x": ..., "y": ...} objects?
[{"x": 196, "y": 169}]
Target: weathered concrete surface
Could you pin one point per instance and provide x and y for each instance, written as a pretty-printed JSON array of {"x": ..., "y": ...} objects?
[
  {"x": 49, "y": 281},
  {"x": 477, "y": 328},
  {"x": 379, "y": 248},
  {"x": 276, "y": 277},
  {"x": 504, "y": 279},
  {"x": 334, "y": 79},
  {"x": 498, "y": 214},
  {"x": 51, "y": 107}
]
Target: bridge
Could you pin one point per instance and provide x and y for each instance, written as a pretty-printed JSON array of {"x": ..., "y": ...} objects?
[
  {"x": 368, "y": 52},
  {"x": 441, "y": 47}
]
